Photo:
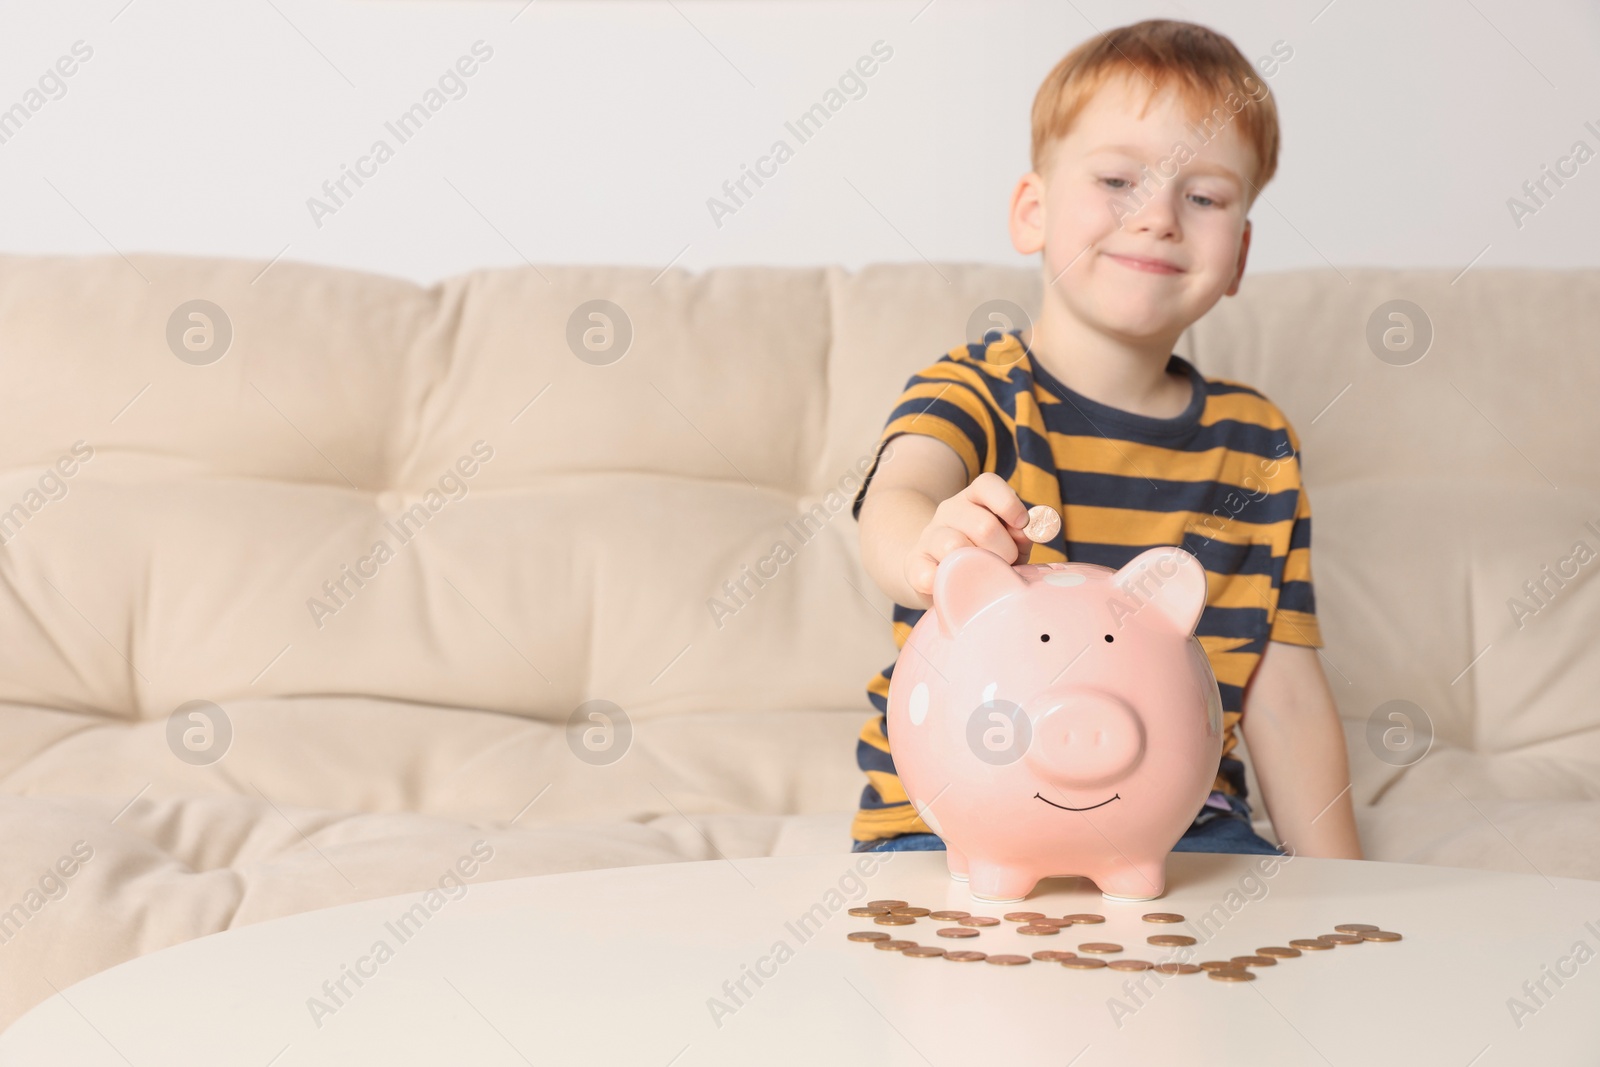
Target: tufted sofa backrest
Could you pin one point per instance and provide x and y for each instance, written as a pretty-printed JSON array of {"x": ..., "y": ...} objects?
[{"x": 522, "y": 489}]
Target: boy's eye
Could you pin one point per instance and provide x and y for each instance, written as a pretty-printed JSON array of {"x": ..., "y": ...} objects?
[{"x": 1120, "y": 184}]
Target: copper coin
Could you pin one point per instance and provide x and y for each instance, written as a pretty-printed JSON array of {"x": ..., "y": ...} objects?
[
  {"x": 1047, "y": 921},
  {"x": 867, "y": 913},
  {"x": 1023, "y": 916},
  {"x": 1129, "y": 965},
  {"x": 1006, "y": 959},
  {"x": 1355, "y": 928},
  {"x": 1170, "y": 939},
  {"x": 1037, "y": 930},
  {"x": 1163, "y": 917},
  {"x": 1278, "y": 952},
  {"x": 891, "y": 919},
  {"x": 1085, "y": 917},
  {"x": 1309, "y": 944},
  {"x": 948, "y": 916},
  {"x": 894, "y": 946},
  {"x": 915, "y": 913},
  {"x": 1100, "y": 948},
  {"x": 1176, "y": 968},
  {"x": 979, "y": 920},
  {"x": 886, "y": 903},
  {"x": 1050, "y": 955},
  {"x": 923, "y": 952},
  {"x": 957, "y": 931},
  {"x": 1255, "y": 961},
  {"x": 867, "y": 935},
  {"x": 1044, "y": 522},
  {"x": 1219, "y": 965},
  {"x": 1083, "y": 963},
  {"x": 1339, "y": 939},
  {"x": 1233, "y": 974},
  {"x": 966, "y": 957},
  {"x": 1380, "y": 935}
]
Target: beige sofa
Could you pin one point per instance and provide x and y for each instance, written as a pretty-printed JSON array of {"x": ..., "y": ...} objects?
[{"x": 200, "y": 523}]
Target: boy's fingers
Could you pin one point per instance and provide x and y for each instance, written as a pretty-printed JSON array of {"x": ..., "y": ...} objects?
[
  {"x": 1024, "y": 544},
  {"x": 994, "y": 493},
  {"x": 963, "y": 529},
  {"x": 956, "y": 532},
  {"x": 983, "y": 529},
  {"x": 919, "y": 574},
  {"x": 920, "y": 571}
]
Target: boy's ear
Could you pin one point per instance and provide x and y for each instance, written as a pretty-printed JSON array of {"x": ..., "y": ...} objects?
[{"x": 1027, "y": 214}]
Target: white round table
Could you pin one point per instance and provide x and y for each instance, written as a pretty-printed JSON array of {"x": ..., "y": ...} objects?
[{"x": 746, "y": 962}]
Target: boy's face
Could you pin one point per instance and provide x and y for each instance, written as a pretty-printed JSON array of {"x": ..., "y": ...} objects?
[{"x": 1095, "y": 220}]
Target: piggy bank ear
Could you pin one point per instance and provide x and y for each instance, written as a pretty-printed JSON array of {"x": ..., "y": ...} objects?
[
  {"x": 967, "y": 581},
  {"x": 1169, "y": 580}
]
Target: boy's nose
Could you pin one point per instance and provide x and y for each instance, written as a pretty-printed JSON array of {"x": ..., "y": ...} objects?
[{"x": 1153, "y": 218}]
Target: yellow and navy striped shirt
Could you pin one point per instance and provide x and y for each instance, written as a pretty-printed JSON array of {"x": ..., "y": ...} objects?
[{"x": 1222, "y": 480}]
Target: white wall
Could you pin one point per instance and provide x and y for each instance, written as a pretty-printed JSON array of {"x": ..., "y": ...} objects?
[{"x": 598, "y": 130}]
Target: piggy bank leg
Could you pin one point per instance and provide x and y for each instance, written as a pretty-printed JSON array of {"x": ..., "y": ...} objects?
[
  {"x": 1133, "y": 881},
  {"x": 1000, "y": 885},
  {"x": 957, "y": 862}
]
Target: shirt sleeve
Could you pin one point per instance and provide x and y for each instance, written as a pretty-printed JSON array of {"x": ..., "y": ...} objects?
[
  {"x": 947, "y": 402},
  {"x": 1295, "y": 621}
]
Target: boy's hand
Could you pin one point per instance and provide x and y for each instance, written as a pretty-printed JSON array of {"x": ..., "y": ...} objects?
[{"x": 986, "y": 514}]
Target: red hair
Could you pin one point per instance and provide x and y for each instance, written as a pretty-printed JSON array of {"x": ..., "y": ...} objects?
[{"x": 1214, "y": 82}]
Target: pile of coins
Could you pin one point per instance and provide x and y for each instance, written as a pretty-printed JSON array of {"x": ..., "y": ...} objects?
[{"x": 1038, "y": 924}]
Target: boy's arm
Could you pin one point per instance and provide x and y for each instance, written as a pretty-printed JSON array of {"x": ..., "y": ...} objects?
[
  {"x": 914, "y": 475},
  {"x": 1291, "y": 727}
]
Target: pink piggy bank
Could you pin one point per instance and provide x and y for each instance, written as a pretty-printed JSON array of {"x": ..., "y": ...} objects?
[{"x": 1058, "y": 719}]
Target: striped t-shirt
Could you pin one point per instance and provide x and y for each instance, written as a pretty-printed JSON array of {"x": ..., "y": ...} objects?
[{"x": 1222, "y": 480}]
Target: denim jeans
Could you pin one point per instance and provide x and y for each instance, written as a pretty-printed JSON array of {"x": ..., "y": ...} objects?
[{"x": 1213, "y": 830}]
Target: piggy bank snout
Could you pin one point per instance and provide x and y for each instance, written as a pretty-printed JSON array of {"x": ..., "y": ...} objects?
[{"x": 1087, "y": 739}]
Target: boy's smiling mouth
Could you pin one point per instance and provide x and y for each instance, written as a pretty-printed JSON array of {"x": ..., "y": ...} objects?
[
  {"x": 1091, "y": 807},
  {"x": 1150, "y": 266}
]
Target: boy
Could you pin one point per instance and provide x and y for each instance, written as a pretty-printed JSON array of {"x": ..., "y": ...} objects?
[{"x": 1149, "y": 147}]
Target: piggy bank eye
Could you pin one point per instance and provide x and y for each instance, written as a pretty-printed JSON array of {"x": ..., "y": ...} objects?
[
  {"x": 1044, "y": 637},
  {"x": 1110, "y": 638}
]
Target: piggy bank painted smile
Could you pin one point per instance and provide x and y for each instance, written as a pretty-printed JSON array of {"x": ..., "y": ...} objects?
[{"x": 1058, "y": 719}]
